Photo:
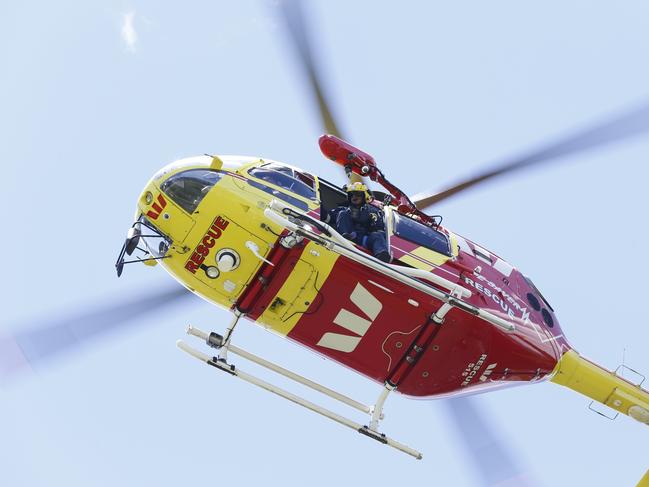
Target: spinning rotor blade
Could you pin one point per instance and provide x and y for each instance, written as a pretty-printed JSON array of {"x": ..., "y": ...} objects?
[
  {"x": 493, "y": 461},
  {"x": 46, "y": 339},
  {"x": 630, "y": 124},
  {"x": 294, "y": 19}
]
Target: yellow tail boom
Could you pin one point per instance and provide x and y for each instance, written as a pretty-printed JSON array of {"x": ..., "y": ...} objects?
[
  {"x": 604, "y": 386},
  {"x": 644, "y": 481}
]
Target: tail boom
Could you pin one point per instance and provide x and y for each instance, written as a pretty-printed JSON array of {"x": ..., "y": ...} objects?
[{"x": 602, "y": 385}]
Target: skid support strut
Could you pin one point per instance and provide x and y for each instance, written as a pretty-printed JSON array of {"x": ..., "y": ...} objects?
[{"x": 224, "y": 345}]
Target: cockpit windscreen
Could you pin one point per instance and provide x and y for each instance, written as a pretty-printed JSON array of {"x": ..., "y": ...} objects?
[{"x": 188, "y": 188}]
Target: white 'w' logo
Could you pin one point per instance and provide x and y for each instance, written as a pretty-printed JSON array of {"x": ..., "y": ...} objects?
[
  {"x": 485, "y": 375},
  {"x": 369, "y": 305}
]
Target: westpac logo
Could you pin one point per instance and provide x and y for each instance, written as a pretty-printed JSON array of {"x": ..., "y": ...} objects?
[
  {"x": 488, "y": 371},
  {"x": 157, "y": 207},
  {"x": 369, "y": 305}
]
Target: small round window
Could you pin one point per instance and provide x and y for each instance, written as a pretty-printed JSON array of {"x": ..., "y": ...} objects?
[
  {"x": 547, "y": 317},
  {"x": 533, "y": 300}
]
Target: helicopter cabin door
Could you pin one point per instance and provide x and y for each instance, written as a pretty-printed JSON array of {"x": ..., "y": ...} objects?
[{"x": 298, "y": 294}]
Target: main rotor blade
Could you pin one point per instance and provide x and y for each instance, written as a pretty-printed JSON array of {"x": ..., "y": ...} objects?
[
  {"x": 293, "y": 16},
  {"x": 294, "y": 19},
  {"x": 627, "y": 125},
  {"x": 494, "y": 463},
  {"x": 45, "y": 339}
]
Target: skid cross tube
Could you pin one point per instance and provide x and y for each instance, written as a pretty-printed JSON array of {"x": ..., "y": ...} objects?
[{"x": 221, "y": 364}]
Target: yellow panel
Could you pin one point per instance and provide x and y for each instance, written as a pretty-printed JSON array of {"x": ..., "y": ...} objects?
[
  {"x": 171, "y": 216},
  {"x": 410, "y": 260},
  {"x": 297, "y": 293},
  {"x": 228, "y": 286},
  {"x": 430, "y": 255},
  {"x": 245, "y": 220}
]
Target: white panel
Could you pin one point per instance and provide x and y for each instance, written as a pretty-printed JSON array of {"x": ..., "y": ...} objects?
[
  {"x": 503, "y": 267},
  {"x": 352, "y": 322},
  {"x": 381, "y": 287},
  {"x": 336, "y": 341},
  {"x": 362, "y": 298}
]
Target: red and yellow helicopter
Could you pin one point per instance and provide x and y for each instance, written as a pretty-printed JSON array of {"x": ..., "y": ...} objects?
[{"x": 445, "y": 317}]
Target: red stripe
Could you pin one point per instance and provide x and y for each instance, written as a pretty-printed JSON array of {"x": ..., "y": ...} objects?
[
  {"x": 415, "y": 352},
  {"x": 268, "y": 281},
  {"x": 162, "y": 200}
]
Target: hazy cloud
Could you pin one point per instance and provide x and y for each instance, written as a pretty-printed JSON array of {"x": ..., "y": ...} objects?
[{"x": 128, "y": 31}]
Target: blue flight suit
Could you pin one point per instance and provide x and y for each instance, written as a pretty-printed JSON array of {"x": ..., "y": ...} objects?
[{"x": 363, "y": 225}]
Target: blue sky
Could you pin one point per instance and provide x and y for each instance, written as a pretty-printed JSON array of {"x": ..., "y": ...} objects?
[{"x": 434, "y": 91}]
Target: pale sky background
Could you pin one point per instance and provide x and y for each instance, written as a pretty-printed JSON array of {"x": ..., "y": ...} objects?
[{"x": 96, "y": 96}]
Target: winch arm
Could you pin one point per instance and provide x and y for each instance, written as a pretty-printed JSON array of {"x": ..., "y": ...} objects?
[{"x": 359, "y": 162}]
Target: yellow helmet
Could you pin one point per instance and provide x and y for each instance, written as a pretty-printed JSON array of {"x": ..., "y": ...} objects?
[{"x": 358, "y": 188}]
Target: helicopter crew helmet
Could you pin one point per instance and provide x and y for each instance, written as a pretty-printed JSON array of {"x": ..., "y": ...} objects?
[{"x": 358, "y": 189}]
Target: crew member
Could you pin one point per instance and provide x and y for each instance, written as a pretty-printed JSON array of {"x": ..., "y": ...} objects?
[{"x": 363, "y": 223}]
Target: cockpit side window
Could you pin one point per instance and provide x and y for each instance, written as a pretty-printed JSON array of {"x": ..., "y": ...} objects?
[
  {"x": 423, "y": 235},
  {"x": 302, "y": 176},
  {"x": 300, "y": 183},
  {"x": 188, "y": 188}
]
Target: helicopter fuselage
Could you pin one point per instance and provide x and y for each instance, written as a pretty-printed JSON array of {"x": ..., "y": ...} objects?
[{"x": 216, "y": 239}]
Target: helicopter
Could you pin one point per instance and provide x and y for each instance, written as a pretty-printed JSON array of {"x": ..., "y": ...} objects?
[
  {"x": 473, "y": 232},
  {"x": 301, "y": 215},
  {"x": 446, "y": 317}
]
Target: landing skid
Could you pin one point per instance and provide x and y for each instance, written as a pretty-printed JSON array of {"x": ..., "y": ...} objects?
[{"x": 224, "y": 345}]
